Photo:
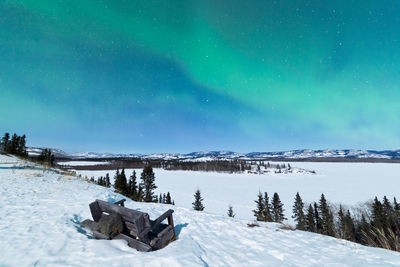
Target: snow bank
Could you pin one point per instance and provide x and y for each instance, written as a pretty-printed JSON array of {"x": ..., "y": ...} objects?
[{"x": 39, "y": 225}]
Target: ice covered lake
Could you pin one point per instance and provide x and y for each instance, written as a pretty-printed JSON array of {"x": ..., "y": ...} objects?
[{"x": 345, "y": 183}]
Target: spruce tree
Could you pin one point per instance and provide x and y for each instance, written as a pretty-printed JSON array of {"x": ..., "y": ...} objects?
[
  {"x": 317, "y": 219},
  {"x": 120, "y": 183},
  {"x": 140, "y": 194},
  {"x": 167, "y": 198},
  {"x": 230, "y": 212},
  {"x": 349, "y": 228},
  {"x": 4, "y": 142},
  {"x": 326, "y": 217},
  {"x": 363, "y": 231},
  {"x": 310, "y": 223},
  {"x": 116, "y": 179},
  {"x": 396, "y": 208},
  {"x": 133, "y": 190},
  {"x": 267, "y": 214},
  {"x": 197, "y": 204},
  {"x": 341, "y": 218},
  {"x": 377, "y": 214},
  {"x": 148, "y": 183},
  {"x": 259, "y": 211},
  {"x": 107, "y": 180},
  {"x": 388, "y": 212},
  {"x": 298, "y": 212},
  {"x": 277, "y": 209}
]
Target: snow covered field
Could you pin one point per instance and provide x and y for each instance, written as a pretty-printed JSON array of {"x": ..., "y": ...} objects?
[
  {"x": 346, "y": 183},
  {"x": 40, "y": 211}
]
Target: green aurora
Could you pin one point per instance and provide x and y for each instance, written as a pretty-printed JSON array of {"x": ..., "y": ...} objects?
[{"x": 176, "y": 76}]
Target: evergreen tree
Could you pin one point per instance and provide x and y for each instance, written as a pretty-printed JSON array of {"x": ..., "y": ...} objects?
[
  {"x": 168, "y": 198},
  {"x": 259, "y": 211},
  {"x": 317, "y": 219},
  {"x": 396, "y": 211},
  {"x": 326, "y": 217},
  {"x": 310, "y": 223},
  {"x": 132, "y": 186},
  {"x": 388, "y": 213},
  {"x": 120, "y": 184},
  {"x": 363, "y": 230},
  {"x": 148, "y": 183},
  {"x": 14, "y": 144},
  {"x": 46, "y": 157},
  {"x": 349, "y": 232},
  {"x": 21, "y": 147},
  {"x": 341, "y": 219},
  {"x": 4, "y": 142},
  {"x": 107, "y": 180},
  {"x": 377, "y": 214},
  {"x": 140, "y": 194},
  {"x": 230, "y": 212},
  {"x": 197, "y": 204},
  {"x": 277, "y": 209},
  {"x": 298, "y": 212},
  {"x": 267, "y": 213},
  {"x": 160, "y": 199}
]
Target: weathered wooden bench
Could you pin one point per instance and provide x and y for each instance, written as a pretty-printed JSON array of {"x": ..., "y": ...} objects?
[{"x": 139, "y": 231}]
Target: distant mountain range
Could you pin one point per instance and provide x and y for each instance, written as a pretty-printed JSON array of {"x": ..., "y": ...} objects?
[{"x": 229, "y": 155}]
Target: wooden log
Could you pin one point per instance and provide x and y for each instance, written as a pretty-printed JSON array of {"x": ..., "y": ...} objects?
[
  {"x": 95, "y": 210},
  {"x": 166, "y": 214},
  {"x": 120, "y": 202},
  {"x": 133, "y": 243}
]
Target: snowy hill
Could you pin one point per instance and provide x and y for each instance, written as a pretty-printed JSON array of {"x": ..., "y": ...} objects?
[
  {"x": 39, "y": 224},
  {"x": 229, "y": 155}
]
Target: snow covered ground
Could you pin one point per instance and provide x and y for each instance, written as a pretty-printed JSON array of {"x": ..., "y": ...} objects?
[
  {"x": 39, "y": 225},
  {"x": 346, "y": 183}
]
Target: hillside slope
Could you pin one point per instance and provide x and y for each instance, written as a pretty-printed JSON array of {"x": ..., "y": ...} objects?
[{"x": 39, "y": 224}]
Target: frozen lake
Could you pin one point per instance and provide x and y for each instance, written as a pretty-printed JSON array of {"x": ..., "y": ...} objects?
[{"x": 346, "y": 183}]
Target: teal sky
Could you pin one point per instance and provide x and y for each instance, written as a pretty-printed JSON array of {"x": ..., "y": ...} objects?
[{"x": 179, "y": 76}]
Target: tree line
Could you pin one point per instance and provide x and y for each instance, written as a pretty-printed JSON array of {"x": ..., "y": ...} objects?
[
  {"x": 212, "y": 165},
  {"x": 378, "y": 225},
  {"x": 16, "y": 145},
  {"x": 142, "y": 191}
]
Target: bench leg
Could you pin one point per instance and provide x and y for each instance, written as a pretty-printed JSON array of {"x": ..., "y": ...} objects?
[{"x": 171, "y": 222}]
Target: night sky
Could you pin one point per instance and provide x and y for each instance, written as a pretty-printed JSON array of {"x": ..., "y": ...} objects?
[{"x": 179, "y": 76}]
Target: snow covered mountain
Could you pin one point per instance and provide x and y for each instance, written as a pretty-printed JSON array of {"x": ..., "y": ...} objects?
[
  {"x": 41, "y": 211},
  {"x": 229, "y": 155}
]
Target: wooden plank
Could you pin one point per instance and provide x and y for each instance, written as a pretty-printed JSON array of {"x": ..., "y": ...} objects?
[
  {"x": 136, "y": 221},
  {"x": 120, "y": 202},
  {"x": 91, "y": 225},
  {"x": 95, "y": 210},
  {"x": 171, "y": 223},
  {"x": 167, "y": 237},
  {"x": 99, "y": 235},
  {"x": 133, "y": 243},
  {"x": 166, "y": 214},
  {"x": 163, "y": 238}
]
